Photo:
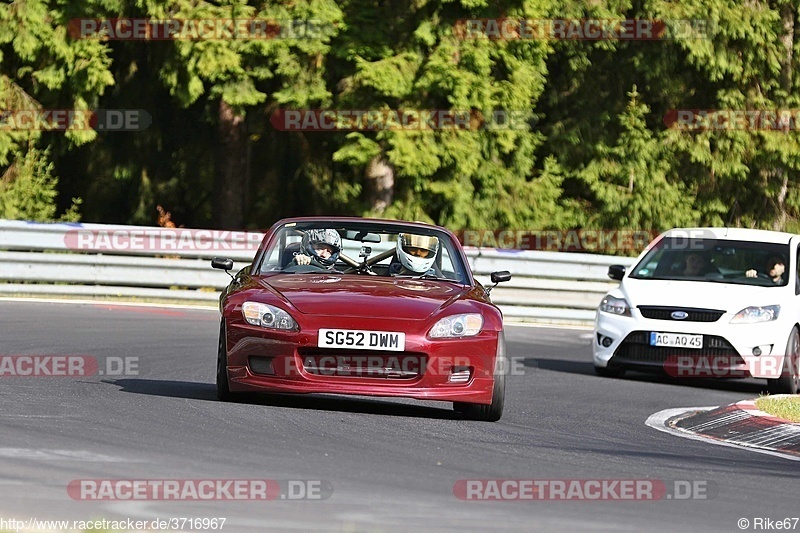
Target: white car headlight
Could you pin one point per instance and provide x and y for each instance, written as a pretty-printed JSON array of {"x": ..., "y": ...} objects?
[
  {"x": 755, "y": 314},
  {"x": 267, "y": 316},
  {"x": 615, "y": 306},
  {"x": 466, "y": 325}
]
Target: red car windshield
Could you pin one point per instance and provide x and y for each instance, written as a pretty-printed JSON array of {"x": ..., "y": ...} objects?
[{"x": 365, "y": 250}]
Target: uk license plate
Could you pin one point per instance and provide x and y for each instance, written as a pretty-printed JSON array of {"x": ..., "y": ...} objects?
[
  {"x": 676, "y": 340},
  {"x": 360, "y": 339}
]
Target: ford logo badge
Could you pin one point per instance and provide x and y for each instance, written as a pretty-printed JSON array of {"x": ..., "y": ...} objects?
[{"x": 679, "y": 315}]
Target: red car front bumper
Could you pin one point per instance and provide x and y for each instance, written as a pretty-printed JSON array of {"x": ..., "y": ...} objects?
[{"x": 290, "y": 362}]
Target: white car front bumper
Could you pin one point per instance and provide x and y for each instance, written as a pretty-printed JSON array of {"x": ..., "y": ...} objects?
[{"x": 720, "y": 339}]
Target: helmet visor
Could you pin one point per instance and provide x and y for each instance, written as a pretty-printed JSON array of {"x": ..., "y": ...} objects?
[
  {"x": 323, "y": 250},
  {"x": 418, "y": 252},
  {"x": 419, "y": 245}
]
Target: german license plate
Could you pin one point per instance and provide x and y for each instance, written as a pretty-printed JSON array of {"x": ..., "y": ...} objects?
[
  {"x": 676, "y": 340},
  {"x": 359, "y": 339}
]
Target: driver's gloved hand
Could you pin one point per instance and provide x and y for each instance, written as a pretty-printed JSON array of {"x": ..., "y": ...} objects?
[{"x": 301, "y": 259}]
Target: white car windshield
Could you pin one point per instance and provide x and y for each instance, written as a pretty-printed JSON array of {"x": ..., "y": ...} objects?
[{"x": 718, "y": 261}]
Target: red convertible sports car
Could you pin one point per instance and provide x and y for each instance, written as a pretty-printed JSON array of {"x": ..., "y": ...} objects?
[{"x": 362, "y": 307}]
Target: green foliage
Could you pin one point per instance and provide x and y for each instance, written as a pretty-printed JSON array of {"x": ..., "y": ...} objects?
[
  {"x": 28, "y": 190},
  {"x": 589, "y": 146},
  {"x": 632, "y": 182}
]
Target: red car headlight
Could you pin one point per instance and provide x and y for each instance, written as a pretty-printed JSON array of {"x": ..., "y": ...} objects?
[
  {"x": 268, "y": 316},
  {"x": 467, "y": 325}
]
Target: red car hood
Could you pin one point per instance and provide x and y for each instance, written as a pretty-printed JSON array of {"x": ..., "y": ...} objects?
[{"x": 364, "y": 296}]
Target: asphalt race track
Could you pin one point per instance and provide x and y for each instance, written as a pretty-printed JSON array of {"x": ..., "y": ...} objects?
[{"x": 391, "y": 464}]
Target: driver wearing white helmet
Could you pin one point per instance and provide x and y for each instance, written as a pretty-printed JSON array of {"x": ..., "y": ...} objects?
[
  {"x": 319, "y": 247},
  {"x": 416, "y": 255}
]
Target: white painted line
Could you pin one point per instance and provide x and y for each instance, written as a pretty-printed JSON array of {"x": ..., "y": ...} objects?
[
  {"x": 659, "y": 421},
  {"x": 720, "y": 421},
  {"x": 59, "y": 455},
  {"x": 109, "y": 302}
]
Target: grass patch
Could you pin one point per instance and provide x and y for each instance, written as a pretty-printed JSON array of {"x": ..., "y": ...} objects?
[{"x": 787, "y": 407}]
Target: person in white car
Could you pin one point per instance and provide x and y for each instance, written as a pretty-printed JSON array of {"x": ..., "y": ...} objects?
[
  {"x": 776, "y": 267},
  {"x": 697, "y": 264}
]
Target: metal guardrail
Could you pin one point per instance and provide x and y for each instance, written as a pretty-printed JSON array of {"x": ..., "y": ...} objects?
[{"x": 94, "y": 260}]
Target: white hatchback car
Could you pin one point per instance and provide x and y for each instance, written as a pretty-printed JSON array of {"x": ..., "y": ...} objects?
[{"x": 706, "y": 302}]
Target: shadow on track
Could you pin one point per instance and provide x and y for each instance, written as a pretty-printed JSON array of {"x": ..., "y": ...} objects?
[
  {"x": 315, "y": 402},
  {"x": 748, "y": 386}
]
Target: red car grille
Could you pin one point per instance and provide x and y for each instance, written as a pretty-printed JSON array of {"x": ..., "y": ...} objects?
[{"x": 363, "y": 363}]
